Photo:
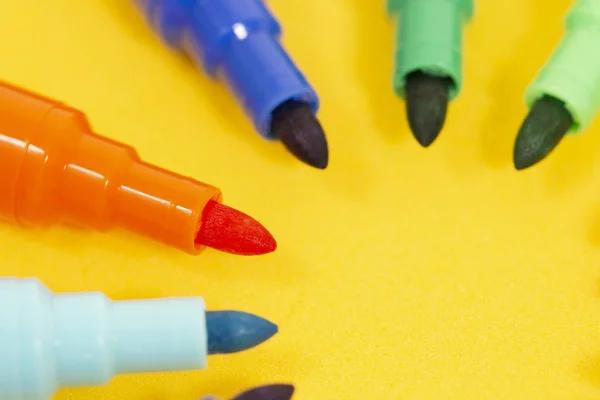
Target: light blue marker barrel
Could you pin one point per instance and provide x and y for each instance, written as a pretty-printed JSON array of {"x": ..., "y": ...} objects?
[{"x": 49, "y": 341}]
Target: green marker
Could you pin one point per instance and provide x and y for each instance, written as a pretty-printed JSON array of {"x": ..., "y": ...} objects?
[
  {"x": 565, "y": 95},
  {"x": 428, "y": 59}
]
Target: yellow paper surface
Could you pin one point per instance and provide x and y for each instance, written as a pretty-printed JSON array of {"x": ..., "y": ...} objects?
[{"x": 401, "y": 273}]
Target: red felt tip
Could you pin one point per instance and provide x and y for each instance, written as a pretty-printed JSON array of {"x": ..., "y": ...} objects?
[{"x": 227, "y": 229}]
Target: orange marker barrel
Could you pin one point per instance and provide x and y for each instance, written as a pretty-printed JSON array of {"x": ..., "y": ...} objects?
[{"x": 54, "y": 169}]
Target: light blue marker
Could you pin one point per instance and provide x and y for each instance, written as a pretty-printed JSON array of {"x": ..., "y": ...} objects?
[{"x": 49, "y": 341}]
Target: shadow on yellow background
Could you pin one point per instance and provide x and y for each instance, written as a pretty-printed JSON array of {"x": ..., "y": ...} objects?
[{"x": 401, "y": 273}]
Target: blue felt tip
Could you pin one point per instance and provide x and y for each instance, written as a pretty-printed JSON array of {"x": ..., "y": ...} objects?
[{"x": 234, "y": 331}]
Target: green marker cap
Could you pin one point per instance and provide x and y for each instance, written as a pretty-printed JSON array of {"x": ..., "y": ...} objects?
[
  {"x": 572, "y": 74},
  {"x": 429, "y": 38}
]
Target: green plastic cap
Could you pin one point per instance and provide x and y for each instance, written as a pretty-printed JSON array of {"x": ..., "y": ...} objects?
[
  {"x": 572, "y": 74},
  {"x": 429, "y": 38}
]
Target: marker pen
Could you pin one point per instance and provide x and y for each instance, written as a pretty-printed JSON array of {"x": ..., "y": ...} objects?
[
  {"x": 428, "y": 59},
  {"x": 239, "y": 40},
  {"x": 572, "y": 74},
  {"x": 565, "y": 95},
  {"x": 51, "y": 341},
  {"x": 54, "y": 169}
]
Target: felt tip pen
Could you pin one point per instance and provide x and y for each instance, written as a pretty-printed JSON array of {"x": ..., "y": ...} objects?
[
  {"x": 428, "y": 59},
  {"x": 240, "y": 41},
  {"x": 281, "y": 391},
  {"x": 54, "y": 169},
  {"x": 565, "y": 95},
  {"x": 50, "y": 341}
]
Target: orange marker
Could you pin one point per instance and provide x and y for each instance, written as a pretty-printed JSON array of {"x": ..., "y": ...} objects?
[{"x": 54, "y": 169}]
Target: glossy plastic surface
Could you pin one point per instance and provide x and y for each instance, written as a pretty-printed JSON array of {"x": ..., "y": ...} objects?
[
  {"x": 400, "y": 273},
  {"x": 240, "y": 40},
  {"x": 572, "y": 74},
  {"x": 49, "y": 341},
  {"x": 429, "y": 37},
  {"x": 53, "y": 168}
]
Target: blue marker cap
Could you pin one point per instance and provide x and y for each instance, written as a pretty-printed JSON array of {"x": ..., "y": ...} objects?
[{"x": 239, "y": 40}]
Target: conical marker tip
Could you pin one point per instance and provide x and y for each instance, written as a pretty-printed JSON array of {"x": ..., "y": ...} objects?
[
  {"x": 546, "y": 124},
  {"x": 227, "y": 229},
  {"x": 427, "y": 99},
  {"x": 297, "y": 127},
  {"x": 235, "y": 331}
]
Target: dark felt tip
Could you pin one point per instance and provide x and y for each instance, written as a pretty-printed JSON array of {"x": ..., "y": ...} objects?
[
  {"x": 268, "y": 392},
  {"x": 545, "y": 126},
  {"x": 297, "y": 127},
  {"x": 427, "y": 99}
]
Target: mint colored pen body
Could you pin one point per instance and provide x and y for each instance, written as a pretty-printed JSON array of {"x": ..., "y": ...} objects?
[
  {"x": 429, "y": 38},
  {"x": 49, "y": 341},
  {"x": 572, "y": 74}
]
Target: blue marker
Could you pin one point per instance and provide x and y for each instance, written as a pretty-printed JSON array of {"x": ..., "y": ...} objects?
[
  {"x": 240, "y": 41},
  {"x": 49, "y": 341}
]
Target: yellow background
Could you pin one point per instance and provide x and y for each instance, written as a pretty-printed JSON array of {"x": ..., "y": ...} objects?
[{"x": 401, "y": 273}]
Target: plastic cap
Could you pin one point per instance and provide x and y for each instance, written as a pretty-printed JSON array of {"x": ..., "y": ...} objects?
[{"x": 55, "y": 169}]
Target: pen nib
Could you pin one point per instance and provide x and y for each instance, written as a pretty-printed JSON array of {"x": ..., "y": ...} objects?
[
  {"x": 227, "y": 229},
  {"x": 544, "y": 127},
  {"x": 267, "y": 392},
  {"x": 295, "y": 124},
  {"x": 427, "y": 98},
  {"x": 235, "y": 331}
]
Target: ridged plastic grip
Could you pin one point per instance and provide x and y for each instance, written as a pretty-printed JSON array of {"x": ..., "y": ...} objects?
[
  {"x": 240, "y": 40},
  {"x": 49, "y": 341},
  {"x": 54, "y": 169},
  {"x": 429, "y": 38},
  {"x": 572, "y": 74}
]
